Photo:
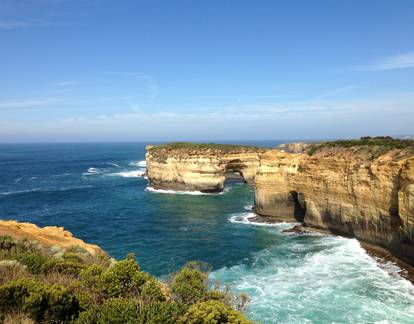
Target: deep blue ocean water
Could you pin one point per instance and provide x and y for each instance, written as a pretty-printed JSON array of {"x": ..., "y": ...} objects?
[{"x": 96, "y": 191}]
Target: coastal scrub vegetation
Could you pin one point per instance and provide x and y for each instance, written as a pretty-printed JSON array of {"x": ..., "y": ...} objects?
[
  {"x": 202, "y": 146},
  {"x": 50, "y": 285},
  {"x": 375, "y": 145},
  {"x": 162, "y": 151}
]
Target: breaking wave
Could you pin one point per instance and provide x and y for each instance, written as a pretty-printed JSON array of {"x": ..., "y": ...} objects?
[
  {"x": 141, "y": 164},
  {"x": 130, "y": 174},
  {"x": 177, "y": 192},
  {"x": 323, "y": 279}
]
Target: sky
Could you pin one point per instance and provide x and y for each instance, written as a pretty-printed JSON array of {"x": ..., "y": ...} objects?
[{"x": 101, "y": 70}]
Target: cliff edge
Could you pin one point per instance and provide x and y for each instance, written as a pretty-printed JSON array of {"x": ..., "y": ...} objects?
[{"x": 47, "y": 236}]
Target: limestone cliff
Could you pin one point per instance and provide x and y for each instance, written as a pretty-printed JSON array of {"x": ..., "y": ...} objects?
[
  {"x": 357, "y": 188},
  {"x": 47, "y": 236},
  {"x": 344, "y": 190},
  {"x": 200, "y": 167}
]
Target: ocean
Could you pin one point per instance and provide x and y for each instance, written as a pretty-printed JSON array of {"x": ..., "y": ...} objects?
[{"x": 97, "y": 192}]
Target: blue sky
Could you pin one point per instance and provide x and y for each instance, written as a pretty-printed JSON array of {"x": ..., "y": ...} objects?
[{"x": 96, "y": 70}]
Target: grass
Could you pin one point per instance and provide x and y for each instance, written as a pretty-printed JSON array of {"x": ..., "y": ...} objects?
[{"x": 374, "y": 145}]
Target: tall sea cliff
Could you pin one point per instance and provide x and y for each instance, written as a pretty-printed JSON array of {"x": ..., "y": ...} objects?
[{"x": 363, "y": 189}]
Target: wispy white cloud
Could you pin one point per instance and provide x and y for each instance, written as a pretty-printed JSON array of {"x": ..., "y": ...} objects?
[
  {"x": 27, "y": 103},
  {"x": 400, "y": 61},
  {"x": 305, "y": 119}
]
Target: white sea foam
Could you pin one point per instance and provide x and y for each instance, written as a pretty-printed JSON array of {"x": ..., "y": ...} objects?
[
  {"x": 141, "y": 164},
  {"x": 248, "y": 207},
  {"x": 177, "y": 192},
  {"x": 320, "y": 279},
  {"x": 113, "y": 164},
  {"x": 130, "y": 174},
  {"x": 92, "y": 171}
]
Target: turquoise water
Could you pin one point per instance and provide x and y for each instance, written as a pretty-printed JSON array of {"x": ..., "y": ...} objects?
[{"x": 96, "y": 191}]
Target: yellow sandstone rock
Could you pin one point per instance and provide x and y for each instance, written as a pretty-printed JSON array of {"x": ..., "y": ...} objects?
[
  {"x": 347, "y": 191},
  {"x": 47, "y": 236}
]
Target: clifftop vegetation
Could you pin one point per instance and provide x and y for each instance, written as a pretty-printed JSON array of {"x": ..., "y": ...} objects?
[
  {"x": 51, "y": 285},
  {"x": 203, "y": 146},
  {"x": 374, "y": 145}
]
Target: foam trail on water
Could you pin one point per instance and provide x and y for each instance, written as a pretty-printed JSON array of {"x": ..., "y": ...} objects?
[
  {"x": 113, "y": 164},
  {"x": 177, "y": 192},
  {"x": 43, "y": 190}
]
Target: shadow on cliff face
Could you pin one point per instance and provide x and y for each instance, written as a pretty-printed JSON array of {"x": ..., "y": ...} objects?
[{"x": 299, "y": 209}]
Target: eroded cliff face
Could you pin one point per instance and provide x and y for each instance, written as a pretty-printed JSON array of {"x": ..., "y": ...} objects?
[
  {"x": 342, "y": 190},
  {"x": 203, "y": 169},
  {"x": 347, "y": 191}
]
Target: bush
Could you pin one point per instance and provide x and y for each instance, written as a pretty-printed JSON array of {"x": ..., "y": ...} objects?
[
  {"x": 213, "y": 312},
  {"x": 151, "y": 291},
  {"x": 114, "y": 311},
  {"x": 189, "y": 285},
  {"x": 61, "y": 266},
  {"x": 34, "y": 260},
  {"x": 42, "y": 302},
  {"x": 124, "y": 279},
  {"x": 92, "y": 276},
  {"x": 6, "y": 242},
  {"x": 166, "y": 313},
  {"x": 67, "y": 286}
]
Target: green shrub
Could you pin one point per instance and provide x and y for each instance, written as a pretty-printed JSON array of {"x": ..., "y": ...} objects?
[
  {"x": 189, "y": 285},
  {"x": 114, "y": 311},
  {"x": 73, "y": 257},
  {"x": 151, "y": 291},
  {"x": 42, "y": 302},
  {"x": 34, "y": 260},
  {"x": 124, "y": 279},
  {"x": 62, "y": 266},
  {"x": 213, "y": 312},
  {"x": 6, "y": 242},
  {"x": 91, "y": 276},
  {"x": 166, "y": 313}
]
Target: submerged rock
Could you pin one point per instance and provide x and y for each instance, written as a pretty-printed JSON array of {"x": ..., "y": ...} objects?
[{"x": 298, "y": 229}]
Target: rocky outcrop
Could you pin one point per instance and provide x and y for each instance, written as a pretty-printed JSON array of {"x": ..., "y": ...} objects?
[
  {"x": 200, "y": 167},
  {"x": 343, "y": 190},
  {"x": 47, "y": 236}
]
